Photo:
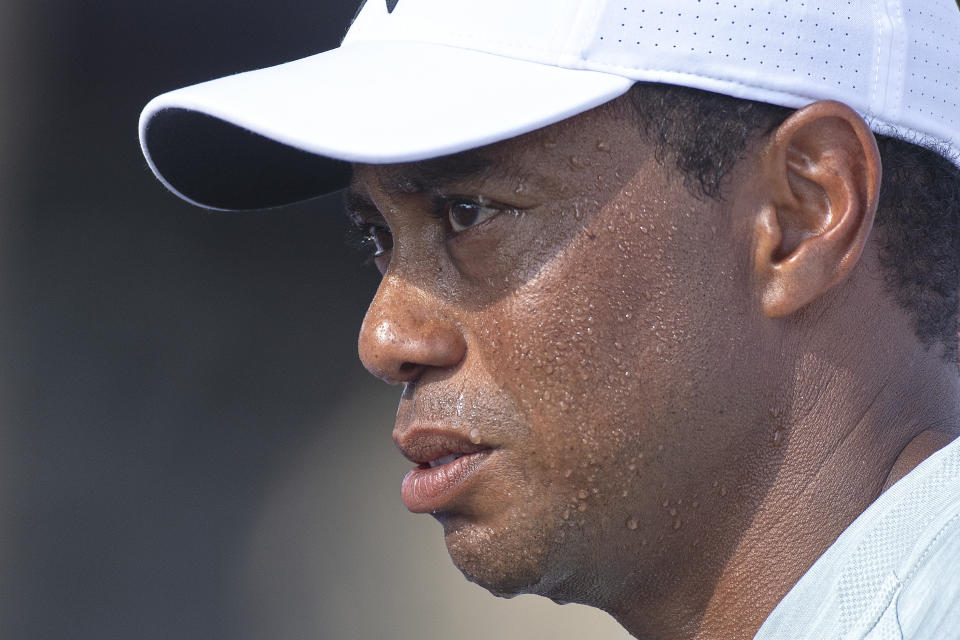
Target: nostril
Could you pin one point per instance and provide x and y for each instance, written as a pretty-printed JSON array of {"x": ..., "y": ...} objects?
[{"x": 408, "y": 372}]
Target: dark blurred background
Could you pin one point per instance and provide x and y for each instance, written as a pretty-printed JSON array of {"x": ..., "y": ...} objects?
[{"x": 189, "y": 447}]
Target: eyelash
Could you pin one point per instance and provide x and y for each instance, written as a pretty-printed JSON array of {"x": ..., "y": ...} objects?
[
  {"x": 363, "y": 236},
  {"x": 442, "y": 205}
]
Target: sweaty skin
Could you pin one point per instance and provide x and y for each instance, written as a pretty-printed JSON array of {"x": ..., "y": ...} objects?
[{"x": 668, "y": 400}]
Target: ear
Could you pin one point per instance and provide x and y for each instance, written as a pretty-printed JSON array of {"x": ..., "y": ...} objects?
[{"x": 819, "y": 184}]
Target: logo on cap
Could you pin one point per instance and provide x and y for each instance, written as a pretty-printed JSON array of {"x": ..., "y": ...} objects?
[{"x": 391, "y": 5}]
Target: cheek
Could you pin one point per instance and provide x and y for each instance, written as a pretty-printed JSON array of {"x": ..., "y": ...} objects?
[
  {"x": 565, "y": 348},
  {"x": 602, "y": 351},
  {"x": 570, "y": 341},
  {"x": 503, "y": 255}
]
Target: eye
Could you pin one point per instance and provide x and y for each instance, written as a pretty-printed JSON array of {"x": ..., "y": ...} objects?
[
  {"x": 378, "y": 239},
  {"x": 464, "y": 214}
]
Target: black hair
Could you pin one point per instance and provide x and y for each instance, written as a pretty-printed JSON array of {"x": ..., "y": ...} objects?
[{"x": 918, "y": 217}]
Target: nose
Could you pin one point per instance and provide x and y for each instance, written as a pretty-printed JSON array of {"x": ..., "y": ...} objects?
[{"x": 405, "y": 333}]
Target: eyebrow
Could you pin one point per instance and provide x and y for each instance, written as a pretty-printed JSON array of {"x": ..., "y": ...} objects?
[
  {"x": 438, "y": 173},
  {"x": 432, "y": 175}
]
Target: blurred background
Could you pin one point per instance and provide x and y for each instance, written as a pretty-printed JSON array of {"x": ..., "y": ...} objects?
[{"x": 189, "y": 447}]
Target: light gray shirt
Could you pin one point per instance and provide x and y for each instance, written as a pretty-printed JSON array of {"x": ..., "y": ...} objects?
[{"x": 894, "y": 573}]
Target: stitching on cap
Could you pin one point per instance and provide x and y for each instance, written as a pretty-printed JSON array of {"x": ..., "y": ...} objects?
[
  {"x": 509, "y": 46},
  {"x": 900, "y": 45},
  {"x": 877, "y": 47},
  {"x": 593, "y": 19},
  {"x": 624, "y": 70}
]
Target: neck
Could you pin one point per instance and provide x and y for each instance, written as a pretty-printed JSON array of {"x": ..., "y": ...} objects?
[
  {"x": 831, "y": 481},
  {"x": 847, "y": 436}
]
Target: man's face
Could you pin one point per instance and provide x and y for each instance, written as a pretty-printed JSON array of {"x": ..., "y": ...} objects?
[{"x": 565, "y": 316}]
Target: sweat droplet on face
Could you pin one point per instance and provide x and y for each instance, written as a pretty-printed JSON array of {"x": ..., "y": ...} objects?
[
  {"x": 475, "y": 435},
  {"x": 631, "y": 523},
  {"x": 777, "y": 438}
]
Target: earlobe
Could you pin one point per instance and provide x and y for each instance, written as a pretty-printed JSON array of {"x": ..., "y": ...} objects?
[{"x": 819, "y": 181}]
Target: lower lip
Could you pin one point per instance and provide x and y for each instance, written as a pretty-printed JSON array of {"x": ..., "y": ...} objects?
[{"x": 430, "y": 489}]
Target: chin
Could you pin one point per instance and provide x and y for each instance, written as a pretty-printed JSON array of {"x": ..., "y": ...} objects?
[{"x": 506, "y": 561}]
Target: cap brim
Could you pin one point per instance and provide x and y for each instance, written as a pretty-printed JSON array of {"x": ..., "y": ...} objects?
[{"x": 288, "y": 133}]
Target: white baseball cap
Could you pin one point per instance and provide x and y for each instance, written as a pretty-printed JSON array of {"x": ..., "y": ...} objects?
[{"x": 418, "y": 79}]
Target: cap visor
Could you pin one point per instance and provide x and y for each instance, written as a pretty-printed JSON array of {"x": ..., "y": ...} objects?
[{"x": 283, "y": 134}]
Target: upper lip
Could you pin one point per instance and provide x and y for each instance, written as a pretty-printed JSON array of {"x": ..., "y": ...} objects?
[{"x": 421, "y": 445}]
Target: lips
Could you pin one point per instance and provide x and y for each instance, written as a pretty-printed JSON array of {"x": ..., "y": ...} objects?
[{"x": 446, "y": 463}]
